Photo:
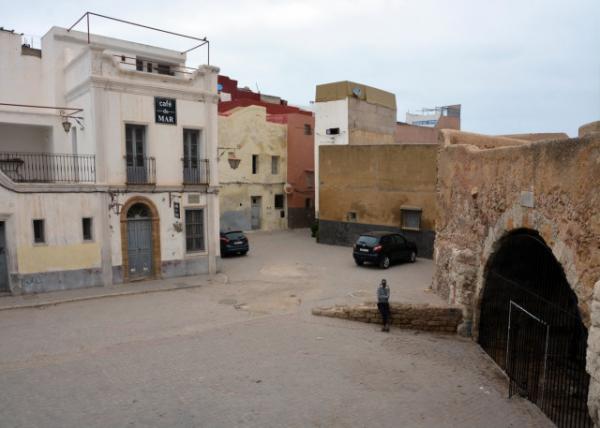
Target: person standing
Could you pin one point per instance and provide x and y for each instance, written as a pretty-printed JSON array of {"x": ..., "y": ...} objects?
[{"x": 383, "y": 304}]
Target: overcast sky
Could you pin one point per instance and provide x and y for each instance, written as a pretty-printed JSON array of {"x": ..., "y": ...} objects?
[{"x": 515, "y": 66}]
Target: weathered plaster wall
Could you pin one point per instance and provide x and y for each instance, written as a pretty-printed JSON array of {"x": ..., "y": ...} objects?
[
  {"x": 245, "y": 132},
  {"x": 64, "y": 260},
  {"x": 375, "y": 182},
  {"x": 370, "y": 123},
  {"x": 301, "y": 170}
]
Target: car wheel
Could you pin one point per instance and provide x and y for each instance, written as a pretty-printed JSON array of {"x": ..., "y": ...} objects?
[
  {"x": 359, "y": 262},
  {"x": 385, "y": 262},
  {"x": 413, "y": 257}
]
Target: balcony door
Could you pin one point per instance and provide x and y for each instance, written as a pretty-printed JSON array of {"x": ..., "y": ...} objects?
[
  {"x": 194, "y": 171},
  {"x": 135, "y": 146}
]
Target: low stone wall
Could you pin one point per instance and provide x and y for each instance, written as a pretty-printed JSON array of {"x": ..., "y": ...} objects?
[{"x": 404, "y": 315}]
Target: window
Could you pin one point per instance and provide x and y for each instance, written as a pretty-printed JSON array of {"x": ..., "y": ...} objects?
[
  {"x": 332, "y": 131},
  {"x": 308, "y": 203},
  {"x": 307, "y": 129},
  {"x": 274, "y": 164},
  {"x": 139, "y": 65},
  {"x": 352, "y": 216},
  {"x": 165, "y": 69},
  {"x": 194, "y": 230},
  {"x": 254, "y": 164},
  {"x": 279, "y": 201},
  {"x": 149, "y": 67},
  {"x": 310, "y": 178},
  {"x": 411, "y": 218},
  {"x": 39, "y": 236},
  {"x": 86, "y": 224}
]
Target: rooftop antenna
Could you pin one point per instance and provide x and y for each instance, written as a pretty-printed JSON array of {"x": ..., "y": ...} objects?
[{"x": 257, "y": 88}]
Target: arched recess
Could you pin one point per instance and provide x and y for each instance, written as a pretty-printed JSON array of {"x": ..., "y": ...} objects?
[
  {"x": 153, "y": 216},
  {"x": 530, "y": 324}
]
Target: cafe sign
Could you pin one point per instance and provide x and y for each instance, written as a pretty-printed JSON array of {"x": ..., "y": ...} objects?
[{"x": 165, "y": 110}]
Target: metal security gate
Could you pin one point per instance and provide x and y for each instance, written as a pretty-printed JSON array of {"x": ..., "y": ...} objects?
[
  {"x": 526, "y": 354},
  {"x": 139, "y": 241},
  {"x": 3, "y": 264},
  {"x": 531, "y": 326}
]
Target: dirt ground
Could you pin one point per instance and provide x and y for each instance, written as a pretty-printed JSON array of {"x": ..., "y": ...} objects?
[{"x": 245, "y": 351}]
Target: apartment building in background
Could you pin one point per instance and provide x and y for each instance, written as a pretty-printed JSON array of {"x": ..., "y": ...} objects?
[
  {"x": 107, "y": 163},
  {"x": 265, "y": 159}
]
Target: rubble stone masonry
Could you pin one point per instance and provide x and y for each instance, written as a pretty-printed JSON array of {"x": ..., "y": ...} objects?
[
  {"x": 404, "y": 315},
  {"x": 489, "y": 186}
]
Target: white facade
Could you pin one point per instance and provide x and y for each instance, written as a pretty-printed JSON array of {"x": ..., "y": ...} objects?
[
  {"x": 329, "y": 115},
  {"x": 116, "y": 155}
]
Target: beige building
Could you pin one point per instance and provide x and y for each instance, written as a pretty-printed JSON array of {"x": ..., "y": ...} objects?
[
  {"x": 106, "y": 149},
  {"x": 252, "y": 170},
  {"x": 378, "y": 187}
]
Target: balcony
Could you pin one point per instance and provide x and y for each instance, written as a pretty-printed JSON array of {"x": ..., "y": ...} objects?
[
  {"x": 195, "y": 171},
  {"x": 140, "y": 169},
  {"x": 23, "y": 167}
]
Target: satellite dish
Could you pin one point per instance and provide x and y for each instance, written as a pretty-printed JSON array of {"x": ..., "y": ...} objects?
[
  {"x": 357, "y": 91},
  {"x": 288, "y": 188}
]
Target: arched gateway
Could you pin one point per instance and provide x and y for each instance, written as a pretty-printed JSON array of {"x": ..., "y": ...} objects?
[{"x": 531, "y": 326}]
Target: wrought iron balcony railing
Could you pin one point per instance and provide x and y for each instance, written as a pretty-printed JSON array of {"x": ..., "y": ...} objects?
[
  {"x": 140, "y": 169},
  {"x": 195, "y": 171},
  {"x": 22, "y": 167}
]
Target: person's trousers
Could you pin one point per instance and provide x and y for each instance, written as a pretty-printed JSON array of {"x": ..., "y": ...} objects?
[{"x": 384, "y": 310}]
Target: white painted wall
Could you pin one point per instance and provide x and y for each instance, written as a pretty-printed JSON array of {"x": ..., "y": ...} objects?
[
  {"x": 73, "y": 73},
  {"x": 329, "y": 114}
]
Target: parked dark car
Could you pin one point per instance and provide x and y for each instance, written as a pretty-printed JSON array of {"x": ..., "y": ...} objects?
[
  {"x": 234, "y": 242},
  {"x": 383, "y": 249}
]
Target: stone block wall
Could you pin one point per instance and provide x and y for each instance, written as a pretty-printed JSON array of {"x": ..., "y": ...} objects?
[
  {"x": 593, "y": 358},
  {"x": 404, "y": 315},
  {"x": 489, "y": 186}
]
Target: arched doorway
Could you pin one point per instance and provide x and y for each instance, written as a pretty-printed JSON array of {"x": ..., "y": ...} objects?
[
  {"x": 531, "y": 326},
  {"x": 140, "y": 239}
]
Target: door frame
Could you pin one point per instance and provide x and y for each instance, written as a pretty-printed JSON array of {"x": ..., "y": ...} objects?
[
  {"x": 9, "y": 241},
  {"x": 154, "y": 217},
  {"x": 6, "y": 257},
  {"x": 260, "y": 198}
]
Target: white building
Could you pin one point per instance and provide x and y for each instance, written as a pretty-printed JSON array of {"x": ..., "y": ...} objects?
[{"x": 130, "y": 191}]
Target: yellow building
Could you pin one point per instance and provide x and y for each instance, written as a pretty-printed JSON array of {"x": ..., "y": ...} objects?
[{"x": 252, "y": 170}]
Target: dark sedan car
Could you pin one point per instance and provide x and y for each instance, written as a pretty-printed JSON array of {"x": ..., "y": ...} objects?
[
  {"x": 383, "y": 248},
  {"x": 234, "y": 242}
]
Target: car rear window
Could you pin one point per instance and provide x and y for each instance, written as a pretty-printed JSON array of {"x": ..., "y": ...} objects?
[
  {"x": 234, "y": 235},
  {"x": 367, "y": 240}
]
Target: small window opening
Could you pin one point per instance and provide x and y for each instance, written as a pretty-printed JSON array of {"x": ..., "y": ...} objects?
[
  {"x": 279, "y": 201},
  {"x": 411, "y": 218},
  {"x": 39, "y": 236},
  {"x": 86, "y": 224}
]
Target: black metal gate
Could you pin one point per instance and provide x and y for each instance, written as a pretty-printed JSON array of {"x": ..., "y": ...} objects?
[{"x": 530, "y": 325}]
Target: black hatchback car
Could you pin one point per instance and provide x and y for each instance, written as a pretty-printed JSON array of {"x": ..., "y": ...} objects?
[
  {"x": 234, "y": 242},
  {"x": 383, "y": 248}
]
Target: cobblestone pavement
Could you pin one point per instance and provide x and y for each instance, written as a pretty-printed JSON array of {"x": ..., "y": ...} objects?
[{"x": 247, "y": 352}]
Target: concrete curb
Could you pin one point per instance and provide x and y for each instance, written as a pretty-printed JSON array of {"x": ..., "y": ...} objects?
[{"x": 94, "y": 297}]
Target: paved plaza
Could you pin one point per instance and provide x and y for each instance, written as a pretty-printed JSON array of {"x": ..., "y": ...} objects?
[{"x": 243, "y": 350}]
